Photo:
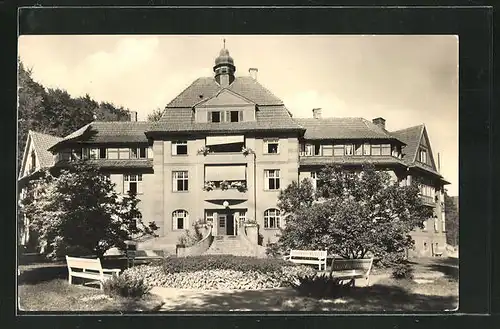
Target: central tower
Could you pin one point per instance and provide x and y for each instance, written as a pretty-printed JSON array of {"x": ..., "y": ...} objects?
[{"x": 224, "y": 68}]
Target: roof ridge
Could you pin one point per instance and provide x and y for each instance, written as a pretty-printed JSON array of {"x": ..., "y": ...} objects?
[{"x": 409, "y": 128}]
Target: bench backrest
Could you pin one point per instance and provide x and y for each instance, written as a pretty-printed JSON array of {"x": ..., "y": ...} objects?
[
  {"x": 320, "y": 254},
  {"x": 352, "y": 264},
  {"x": 84, "y": 263}
]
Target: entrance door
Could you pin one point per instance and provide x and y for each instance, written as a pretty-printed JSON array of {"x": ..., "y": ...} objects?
[
  {"x": 230, "y": 224},
  {"x": 221, "y": 222}
]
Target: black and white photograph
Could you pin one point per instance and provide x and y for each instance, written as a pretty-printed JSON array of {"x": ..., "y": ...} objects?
[{"x": 223, "y": 173}]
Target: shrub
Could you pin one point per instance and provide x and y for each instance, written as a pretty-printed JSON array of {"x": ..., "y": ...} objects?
[
  {"x": 320, "y": 287},
  {"x": 292, "y": 274},
  {"x": 222, "y": 262},
  {"x": 402, "y": 271},
  {"x": 125, "y": 286},
  {"x": 190, "y": 237}
]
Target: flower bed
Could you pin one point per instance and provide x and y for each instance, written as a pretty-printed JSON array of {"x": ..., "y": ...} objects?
[{"x": 220, "y": 272}]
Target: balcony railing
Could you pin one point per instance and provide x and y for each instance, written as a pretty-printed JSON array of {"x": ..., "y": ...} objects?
[{"x": 225, "y": 190}]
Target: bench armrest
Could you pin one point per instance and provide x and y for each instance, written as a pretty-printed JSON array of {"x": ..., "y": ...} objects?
[
  {"x": 112, "y": 270},
  {"x": 286, "y": 257}
]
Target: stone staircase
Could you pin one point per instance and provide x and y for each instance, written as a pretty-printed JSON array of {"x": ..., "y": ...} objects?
[{"x": 228, "y": 245}]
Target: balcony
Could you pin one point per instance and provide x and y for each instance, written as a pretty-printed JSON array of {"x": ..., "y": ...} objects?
[
  {"x": 227, "y": 157},
  {"x": 224, "y": 190}
]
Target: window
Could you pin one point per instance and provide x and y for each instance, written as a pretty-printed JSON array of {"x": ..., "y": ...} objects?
[
  {"x": 180, "y": 220},
  {"x": 132, "y": 183},
  {"x": 309, "y": 149},
  {"x": 423, "y": 156},
  {"x": 113, "y": 153},
  {"x": 209, "y": 216},
  {"x": 327, "y": 150},
  {"x": 179, "y": 148},
  {"x": 134, "y": 154},
  {"x": 428, "y": 191},
  {"x": 242, "y": 216},
  {"x": 271, "y": 146},
  {"x": 33, "y": 160},
  {"x": 376, "y": 149},
  {"x": 272, "y": 179},
  {"x": 338, "y": 150},
  {"x": 124, "y": 153},
  {"x": 366, "y": 149},
  {"x": 271, "y": 218},
  {"x": 349, "y": 149},
  {"x": 85, "y": 153},
  {"x": 76, "y": 154},
  {"x": 180, "y": 181},
  {"x": 142, "y": 153},
  {"x": 102, "y": 153},
  {"x": 317, "y": 149},
  {"x": 94, "y": 153},
  {"x": 386, "y": 149},
  {"x": 214, "y": 116},
  {"x": 358, "y": 149},
  {"x": 236, "y": 116}
]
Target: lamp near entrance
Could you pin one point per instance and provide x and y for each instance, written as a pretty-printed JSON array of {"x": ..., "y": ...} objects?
[{"x": 225, "y": 204}]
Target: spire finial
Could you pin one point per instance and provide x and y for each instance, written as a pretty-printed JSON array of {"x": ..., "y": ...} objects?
[{"x": 224, "y": 40}]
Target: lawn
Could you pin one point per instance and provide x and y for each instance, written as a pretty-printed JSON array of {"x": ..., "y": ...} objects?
[{"x": 43, "y": 286}]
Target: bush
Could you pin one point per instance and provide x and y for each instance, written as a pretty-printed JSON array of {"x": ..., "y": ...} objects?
[
  {"x": 190, "y": 238},
  {"x": 222, "y": 262},
  {"x": 125, "y": 286},
  {"x": 320, "y": 287},
  {"x": 292, "y": 274},
  {"x": 402, "y": 271}
]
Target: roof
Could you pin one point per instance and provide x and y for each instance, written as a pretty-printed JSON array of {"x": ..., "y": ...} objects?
[
  {"x": 342, "y": 128},
  {"x": 411, "y": 136},
  {"x": 207, "y": 87},
  {"x": 41, "y": 144},
  {"x": 268, "y": 118},
  {"x": 349, "y": 160},
  {"x": 118, "y": 163},
  {"x": 111, "y": 132}
]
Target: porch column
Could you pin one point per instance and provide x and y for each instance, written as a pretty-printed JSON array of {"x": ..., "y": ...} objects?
[
  {"x": 236, "y": 222},
  {"x": 215, "y": 228}
]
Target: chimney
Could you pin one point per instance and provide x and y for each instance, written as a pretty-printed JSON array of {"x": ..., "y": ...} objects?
[
  {"x": 253, "y": 72},
  {"x": 133, "y": 115},
  {"x": 317, "y": 113},
  {"x": 379, "y": 122}
]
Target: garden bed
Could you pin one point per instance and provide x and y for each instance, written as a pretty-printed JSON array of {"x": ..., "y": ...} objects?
[{"x": 216, "y": 272}]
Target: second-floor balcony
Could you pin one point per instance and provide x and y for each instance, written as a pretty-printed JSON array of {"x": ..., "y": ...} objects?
[{"x": 222, "y": 190}]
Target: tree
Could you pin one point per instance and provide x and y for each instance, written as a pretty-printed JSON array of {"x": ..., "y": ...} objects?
[
  {"x": 109, "y": 112},
  {"x": 155, "y": 115},
  {"x": 353, "y": 214},
  {"x": 451, "y": 216},
  {"x": 77, "y": 212}
]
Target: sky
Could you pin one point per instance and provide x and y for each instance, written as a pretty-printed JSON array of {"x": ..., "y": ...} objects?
[{"x": 407, "y": 80}]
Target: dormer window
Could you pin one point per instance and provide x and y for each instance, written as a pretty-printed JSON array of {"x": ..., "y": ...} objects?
[
  {"x": 422, "y": 156},
  {"x": 225, "y": 116}
]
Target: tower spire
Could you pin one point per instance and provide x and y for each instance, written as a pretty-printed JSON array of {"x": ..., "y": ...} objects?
[{"x": 224, "y": 41}]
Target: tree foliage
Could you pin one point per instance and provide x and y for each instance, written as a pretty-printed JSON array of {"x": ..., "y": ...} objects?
[
  {"x": 155, "y": 115},
  {"x": 55, "y": 112},
  {"x": 451, "y": 216},
  {"x": 352, "y": 214},
  {"x": 77, "y": 212}
]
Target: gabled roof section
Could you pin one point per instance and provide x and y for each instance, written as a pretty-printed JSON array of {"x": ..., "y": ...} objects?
[
  {"x": 342, "y": 128},
  {"x": 225, "y": 97},
  {"x": 268, "y": 118},
  {"x": 109, "y": 132},
  {"x": 40, "y": 144},
  {"x": 414, "y": 137},
  {"x": 207, "y": 87}
]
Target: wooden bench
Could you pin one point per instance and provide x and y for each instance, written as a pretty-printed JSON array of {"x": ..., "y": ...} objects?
[
  {"x": 314, "y": 257},
  {"x": 90, "y": 269},
  {"x": 351, "y": 269}
]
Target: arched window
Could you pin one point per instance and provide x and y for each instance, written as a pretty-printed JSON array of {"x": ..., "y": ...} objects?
[
  {"x": 180, "y": 219},
  {"x": 272, "y": 218}
]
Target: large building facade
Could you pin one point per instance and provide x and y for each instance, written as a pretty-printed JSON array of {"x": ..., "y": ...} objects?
[{"x": 226, "y": 146}]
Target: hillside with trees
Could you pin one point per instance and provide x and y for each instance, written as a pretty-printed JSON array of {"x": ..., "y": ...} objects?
[{"x": 55, "y": 111}]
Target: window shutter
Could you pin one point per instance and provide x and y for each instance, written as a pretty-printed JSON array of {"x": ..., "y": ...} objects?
[
  {"x": 174, "y": 182},
  {"x": 209, "y": 118},
  {"x": 139, "y": 188},
  {"x": 240, "y": 113},
  {"x": 174, "y": 148},
  {"x": 266, "y": 179}
]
